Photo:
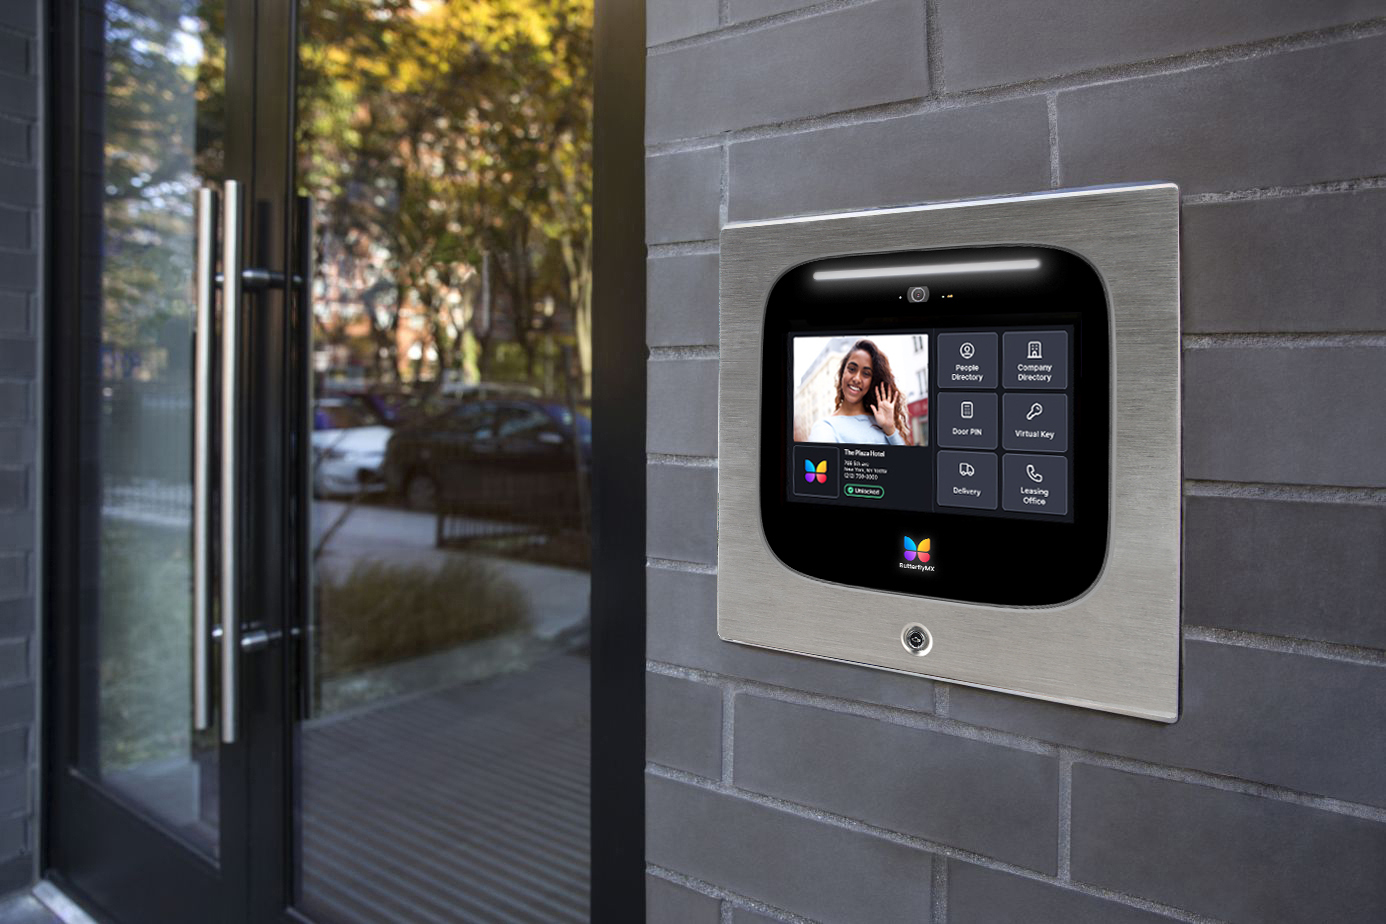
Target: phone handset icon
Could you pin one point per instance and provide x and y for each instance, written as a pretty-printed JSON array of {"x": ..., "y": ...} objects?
[{"x": 1035, "y": 476}]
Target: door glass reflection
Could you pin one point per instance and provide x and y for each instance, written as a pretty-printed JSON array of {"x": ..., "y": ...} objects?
[
  {"x": 160, "y": 130},
  {"x": 443, "y": 754}
]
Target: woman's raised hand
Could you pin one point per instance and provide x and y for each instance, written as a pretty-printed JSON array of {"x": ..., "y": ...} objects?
[{"x": 885, "y": 408}]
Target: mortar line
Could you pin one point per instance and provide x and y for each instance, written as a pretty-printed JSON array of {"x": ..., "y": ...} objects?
[
  {"x": 682, "y": 249},
  {"x": 1284, "y": 644},
  {"x": 728, "y": 735},
  {"x": 1076, "y": 80},
  {"x": 1256, "y": 193},
  {"x": 1051, "y": 106},
  {"x": 669, "y": 458},
  {"x": 1015, "y": 741},
  {"x": 937, "y": 848},
  {"x": 938, "y": 890},
  {"x": 723, "y": 12},
  {"x": 941, "y": 695},
  {"x": 1318, "y": 494},
  {"x": 933, "y": 49},
  {"x": 702, "y": 351},
  {"x": 1065, "y": 859},
  {"x": 726, "y": 912},
  {"x": 724, "y": 191},
  {"x": 671, "y": 564},
  {"x": 1283, "y": 341}
]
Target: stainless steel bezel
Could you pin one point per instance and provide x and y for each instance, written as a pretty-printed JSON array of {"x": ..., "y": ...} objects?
[{"x": 1117, "y": 647}]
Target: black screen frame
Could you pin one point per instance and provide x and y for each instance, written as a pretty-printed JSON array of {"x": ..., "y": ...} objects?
[{"x": 982, "y": 557}]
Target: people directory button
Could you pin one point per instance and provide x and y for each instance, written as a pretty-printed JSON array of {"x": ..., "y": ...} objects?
[
  {"x": 967, "y": 360},
  {"x": 1034, "y": 484},
  {"x": 1034, "y": 359},
  {"x": 1038, "y": 423},
  {"x": 967, "y": 479}
]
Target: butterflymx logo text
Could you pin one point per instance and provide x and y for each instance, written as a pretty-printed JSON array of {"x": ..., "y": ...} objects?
[
  {"x": 817, "y": 472},
  {"x": 917, "y": 555}
]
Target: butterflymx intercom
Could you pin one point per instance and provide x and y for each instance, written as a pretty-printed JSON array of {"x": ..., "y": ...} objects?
[{"x": 949, "y": 442}]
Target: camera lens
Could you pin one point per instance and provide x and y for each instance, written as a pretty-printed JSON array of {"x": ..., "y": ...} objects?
[
  {"x": 918, "y": 294},
  {"x": 916, "y": 640}
]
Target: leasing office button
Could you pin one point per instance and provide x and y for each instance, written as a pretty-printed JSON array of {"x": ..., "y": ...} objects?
[{"x": 1034, "y": 484}]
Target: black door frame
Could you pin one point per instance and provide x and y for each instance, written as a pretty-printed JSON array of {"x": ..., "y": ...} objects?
[
  {"x": 91, "y": 843},
  {"x": 620, "y": 357},
  {"x": 70, "y": 839}
]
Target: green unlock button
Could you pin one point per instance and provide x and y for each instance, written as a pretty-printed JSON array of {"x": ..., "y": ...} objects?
[{"x": 865, "y": 490}]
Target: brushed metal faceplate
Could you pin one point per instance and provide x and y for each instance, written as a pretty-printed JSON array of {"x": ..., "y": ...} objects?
[{"x": 1117, "y": 647}]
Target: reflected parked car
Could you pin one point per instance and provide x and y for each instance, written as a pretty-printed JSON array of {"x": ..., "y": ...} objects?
[
  {"x": 348, "y": 449},
  {"x": 384, "y": 405},
  {"x": 517, "y": 459}
]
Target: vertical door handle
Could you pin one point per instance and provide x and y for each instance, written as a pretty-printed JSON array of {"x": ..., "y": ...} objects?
[
  {"x": 205, "y": 281},
  {"x": 230, "y": 451}
]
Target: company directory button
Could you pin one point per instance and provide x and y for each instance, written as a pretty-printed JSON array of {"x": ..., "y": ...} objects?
[
  {"x": 968, "y": 420},
  {"x": 1034, "y": 359},
  {"x": 1037, "y": 423},
  {"x": 1034, "y": 484},
  {"x": 967, "y": 479},
  {"x": 967, "y": 360}
]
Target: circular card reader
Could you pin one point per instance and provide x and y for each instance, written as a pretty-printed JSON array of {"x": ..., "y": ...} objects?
[{"x": 917, "y": 640}]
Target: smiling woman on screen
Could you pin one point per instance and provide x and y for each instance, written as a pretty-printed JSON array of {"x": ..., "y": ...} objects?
[{"x": 869, "y": 408}]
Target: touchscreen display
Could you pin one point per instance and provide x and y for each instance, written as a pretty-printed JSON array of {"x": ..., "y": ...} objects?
[
  {"x": 946, "y": 413},
  {"x": 970, "y": 421}
]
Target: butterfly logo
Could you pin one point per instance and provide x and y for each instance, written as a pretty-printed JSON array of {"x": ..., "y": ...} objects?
[
  {"x": 912, "y": 550},
  {"x": 821, "y": 472}
]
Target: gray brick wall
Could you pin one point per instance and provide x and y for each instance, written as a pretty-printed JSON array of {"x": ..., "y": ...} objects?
[
  {"x": 787, "y": 789},
  {"x": 20, "y": 271}
]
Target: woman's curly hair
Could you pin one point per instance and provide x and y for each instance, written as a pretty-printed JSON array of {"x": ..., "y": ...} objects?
[{"x": 880, "y": 374}]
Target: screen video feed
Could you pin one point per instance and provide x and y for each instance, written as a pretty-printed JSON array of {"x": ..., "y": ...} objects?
[{"x": 861, "y": 389}]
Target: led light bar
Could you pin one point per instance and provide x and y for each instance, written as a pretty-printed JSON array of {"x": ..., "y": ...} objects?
[{"x": 937, "y": 269}]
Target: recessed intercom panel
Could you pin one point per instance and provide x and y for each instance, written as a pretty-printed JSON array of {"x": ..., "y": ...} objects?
[
  {"x": 958, "y": 391},
  {"x": 949, "y": 442}
]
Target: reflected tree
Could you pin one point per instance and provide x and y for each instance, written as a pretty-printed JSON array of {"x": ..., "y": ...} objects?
[{"x": 449, "y": 147}]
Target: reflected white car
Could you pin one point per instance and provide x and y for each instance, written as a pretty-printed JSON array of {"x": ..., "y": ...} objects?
[{"x": 346, "y": 459}]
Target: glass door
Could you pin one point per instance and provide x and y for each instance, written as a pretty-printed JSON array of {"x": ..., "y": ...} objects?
[
  {"x": 320, "y": 535},
  {"x": 164, "y": 295},
  {"x": 444, "y": 740}
]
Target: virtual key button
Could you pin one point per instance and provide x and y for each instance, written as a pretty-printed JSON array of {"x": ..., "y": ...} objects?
[
  {"x": 1037, "y": 422},
  {"x": 1034, "y": 484}
]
